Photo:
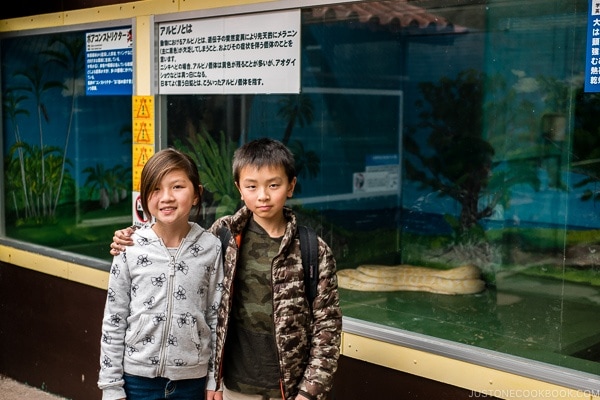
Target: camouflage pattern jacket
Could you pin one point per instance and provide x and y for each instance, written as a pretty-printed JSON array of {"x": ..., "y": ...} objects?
[{"x": 308, "y": 345}]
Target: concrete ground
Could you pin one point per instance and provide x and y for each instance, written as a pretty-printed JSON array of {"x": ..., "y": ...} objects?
[{"x": 13, "y": 390}]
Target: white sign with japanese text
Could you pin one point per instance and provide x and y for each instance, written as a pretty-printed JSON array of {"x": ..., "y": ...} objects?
[{"x": 258, "y": 53}]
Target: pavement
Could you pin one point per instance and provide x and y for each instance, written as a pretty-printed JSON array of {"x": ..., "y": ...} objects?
[{"x": 13, "y": 390}]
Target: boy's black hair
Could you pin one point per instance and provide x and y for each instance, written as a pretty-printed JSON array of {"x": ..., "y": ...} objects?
[{"x": 264, "y": 152}]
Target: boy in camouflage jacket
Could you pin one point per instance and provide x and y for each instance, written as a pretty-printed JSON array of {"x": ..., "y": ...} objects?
[{"x": 269, "y": 343}]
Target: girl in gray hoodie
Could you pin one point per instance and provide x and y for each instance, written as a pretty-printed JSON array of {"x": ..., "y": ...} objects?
[{"x": 159, "y": 324}]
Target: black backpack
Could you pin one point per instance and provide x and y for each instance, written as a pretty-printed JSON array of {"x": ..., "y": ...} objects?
[{"x": 309, "y": 249}]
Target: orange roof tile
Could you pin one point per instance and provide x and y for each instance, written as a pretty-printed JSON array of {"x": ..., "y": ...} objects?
[{"x": 393, "y": 13}]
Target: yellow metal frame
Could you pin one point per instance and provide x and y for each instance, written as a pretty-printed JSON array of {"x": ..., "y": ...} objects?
[
  {"x": 481, "y": 380},
  {"x": 54, "y": 266}
]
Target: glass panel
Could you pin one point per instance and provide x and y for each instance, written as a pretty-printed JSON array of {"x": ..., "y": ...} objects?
[
  {"x": 437, "y": 139},
  {"x": 67, "y": 155}
]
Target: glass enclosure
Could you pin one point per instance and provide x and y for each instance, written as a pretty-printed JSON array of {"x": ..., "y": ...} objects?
[
  {"x": 439, "y": 137},
  {"x": 446, "y": 151},
  {"x": 67, "y": 144}
]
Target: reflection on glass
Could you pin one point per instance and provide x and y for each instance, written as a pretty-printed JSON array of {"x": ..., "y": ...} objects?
[
  {"x": 439, "y": 138},
  {"x": 67, "y": 155}
]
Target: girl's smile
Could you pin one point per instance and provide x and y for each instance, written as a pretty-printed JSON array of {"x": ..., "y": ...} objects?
[{"x": 170, "y": 204}]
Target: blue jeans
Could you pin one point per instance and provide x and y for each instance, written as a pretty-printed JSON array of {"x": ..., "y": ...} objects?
[{"x": 141, "y": 388}]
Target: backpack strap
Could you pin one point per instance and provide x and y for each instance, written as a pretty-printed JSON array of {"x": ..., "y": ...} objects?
[
  {"x": 309, "y": 250},
  {"x": 224, "y": 234}
]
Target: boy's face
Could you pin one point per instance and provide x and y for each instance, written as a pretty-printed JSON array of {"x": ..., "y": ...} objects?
[{"x": 265, "y": 191}]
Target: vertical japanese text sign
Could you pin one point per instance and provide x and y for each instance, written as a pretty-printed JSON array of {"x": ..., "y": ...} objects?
[{"x": 592, "y": 65}]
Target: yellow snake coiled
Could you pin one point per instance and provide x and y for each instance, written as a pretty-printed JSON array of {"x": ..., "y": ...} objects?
[{"x": 465, "y": 279}]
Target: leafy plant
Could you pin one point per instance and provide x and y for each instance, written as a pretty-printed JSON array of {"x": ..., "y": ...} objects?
[
  {"x": 39, "y": 188},
  {"x": 108, "y": 183},
  {"x": 214, "y": 163},
  {"x": 308, "y": 163},
  {"x": 459, "y": 161},
  {"x": 295, "y": 109},
  {"x": 71, "y": 58},
  {"x": 460, "y": 164}
]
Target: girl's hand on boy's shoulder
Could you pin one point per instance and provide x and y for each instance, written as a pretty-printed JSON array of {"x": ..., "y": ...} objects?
[{"x": 121, "y": 239}]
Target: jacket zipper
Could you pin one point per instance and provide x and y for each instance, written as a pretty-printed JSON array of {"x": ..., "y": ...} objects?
[
  {"x": 167, "y": 326},
  {"x": 281, "y": 375}
]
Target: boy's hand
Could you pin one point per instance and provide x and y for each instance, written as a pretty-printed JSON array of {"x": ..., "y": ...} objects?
[
  {"x": 214, "y": 395},
  {"x": 121, "y": 239}
]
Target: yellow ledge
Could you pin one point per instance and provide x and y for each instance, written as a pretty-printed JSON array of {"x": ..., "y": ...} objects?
[
  {"x": 55, "y": 267},
  {"x": 192, "y": 5},
  {"x": 481, "y": 380}
]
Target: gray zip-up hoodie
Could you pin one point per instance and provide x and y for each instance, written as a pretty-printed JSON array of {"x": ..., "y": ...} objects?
[{"x": 161, "y": 311}]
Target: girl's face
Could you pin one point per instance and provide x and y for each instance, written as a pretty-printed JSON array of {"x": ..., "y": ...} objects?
[
  {"x": 265, "y": 191},
  {"x": 173, "y": 199}
]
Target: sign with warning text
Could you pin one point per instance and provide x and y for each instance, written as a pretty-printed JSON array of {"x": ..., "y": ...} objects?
[{"x": 143, "y": 135}]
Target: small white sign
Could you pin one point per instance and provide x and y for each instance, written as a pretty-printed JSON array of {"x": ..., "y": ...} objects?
[
  {"x": 257, "y": 53},
  {"x": 375, "y": 181},
  {"x": 139, "y": 217}
]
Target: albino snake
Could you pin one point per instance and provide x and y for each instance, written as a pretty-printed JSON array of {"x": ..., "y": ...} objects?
[{"x": 465, "y": 279}]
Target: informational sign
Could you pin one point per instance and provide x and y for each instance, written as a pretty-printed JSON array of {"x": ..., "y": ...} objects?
[
  {"x": 382, "y": 173},
  {"x": 592, "y": 65},
  {"x": 143, "y": 135},
  {"x": 109, "y": 62},
  {"x": 257, "y": 53}
]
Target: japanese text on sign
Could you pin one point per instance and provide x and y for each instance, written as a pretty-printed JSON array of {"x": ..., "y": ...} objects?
[
  {"x": 109, "y": 62},
  {"x": 233, "y": 55},
  {"x": 592, "y": 65}
]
